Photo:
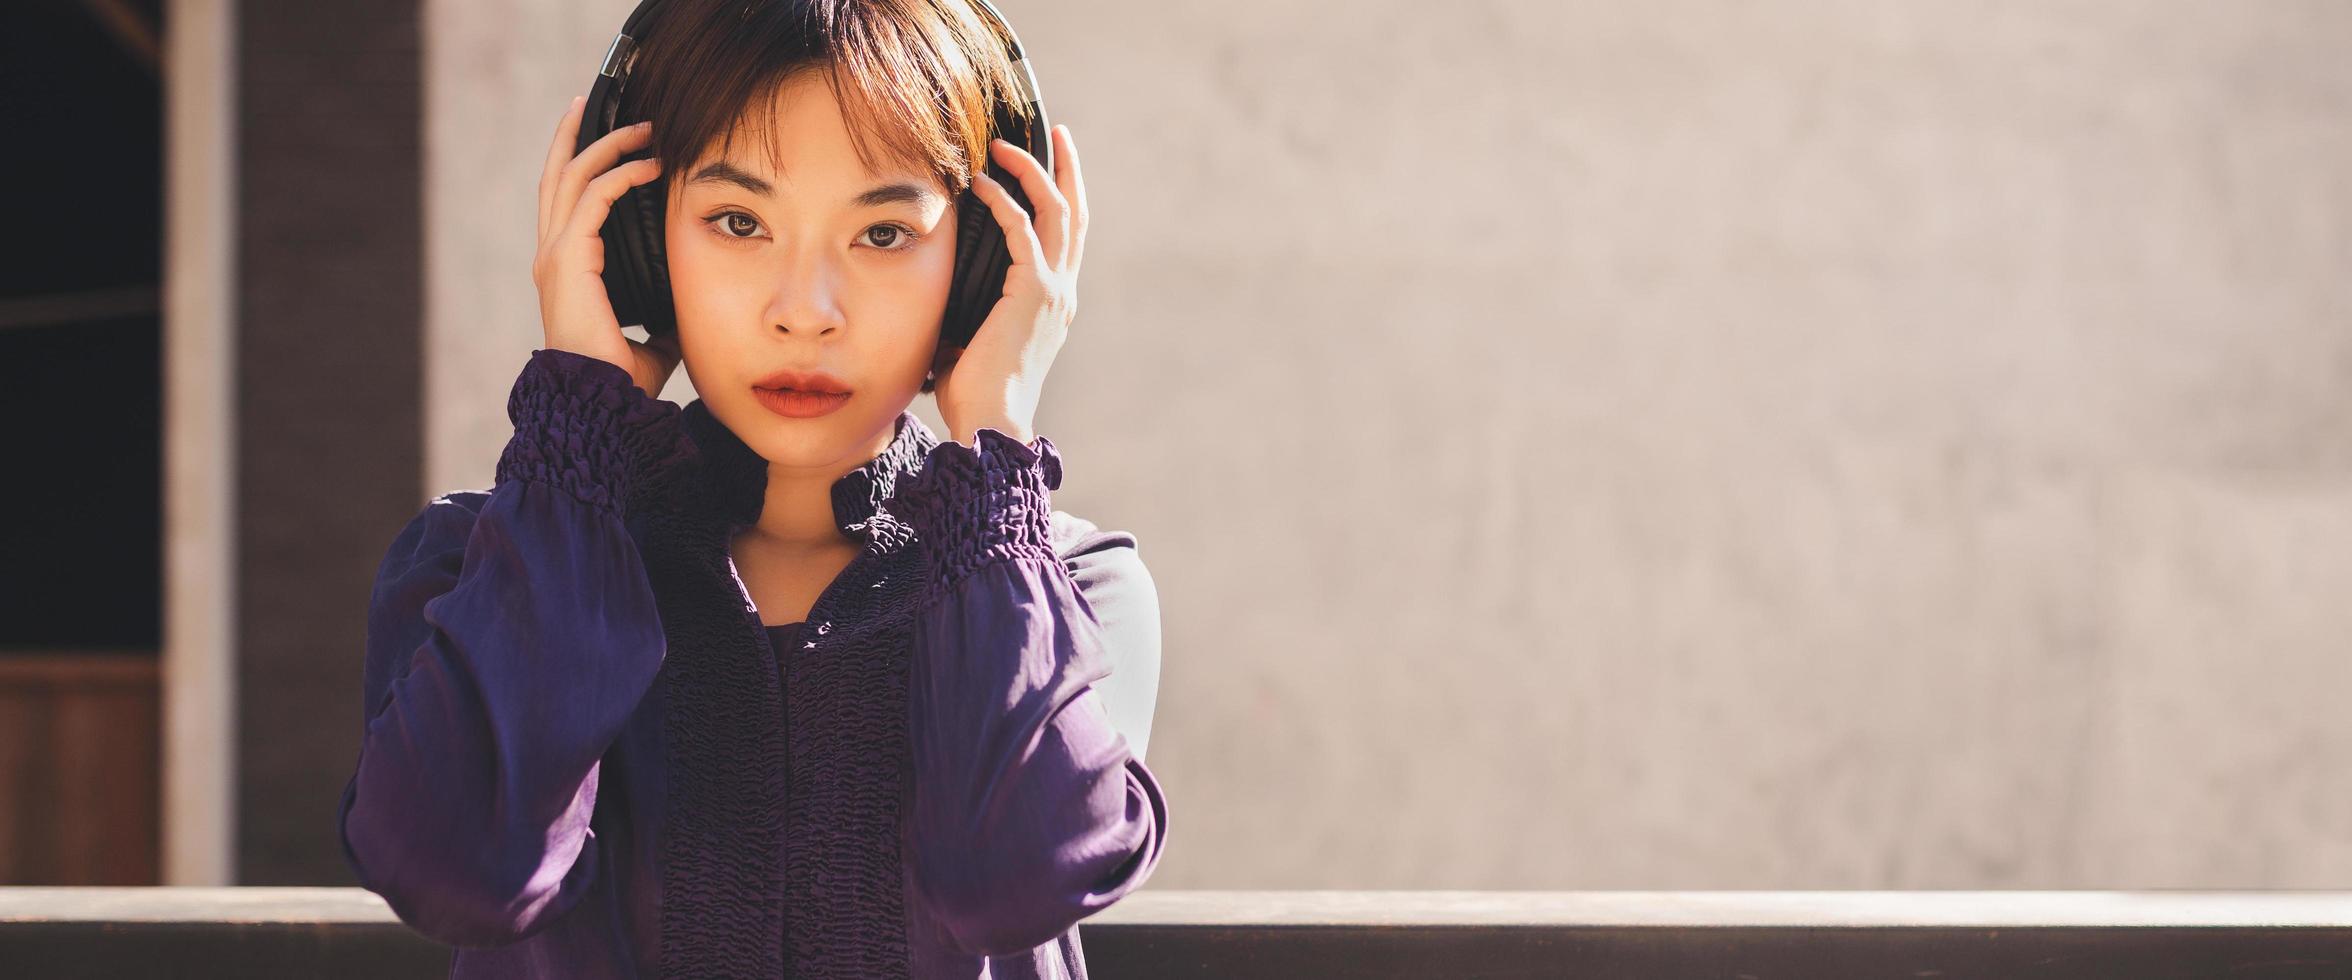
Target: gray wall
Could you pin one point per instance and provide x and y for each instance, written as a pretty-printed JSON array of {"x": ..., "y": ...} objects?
[{"x": 1668, "y": 445}]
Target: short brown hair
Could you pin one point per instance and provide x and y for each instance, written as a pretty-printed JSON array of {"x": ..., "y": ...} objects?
[{"x": 919, "y": 81}]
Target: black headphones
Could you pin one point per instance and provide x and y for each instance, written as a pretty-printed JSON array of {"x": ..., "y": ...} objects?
[{"x": 636, "y": 266}]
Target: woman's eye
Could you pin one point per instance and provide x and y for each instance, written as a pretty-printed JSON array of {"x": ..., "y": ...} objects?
[
  {"x": 893, "y": 238},
  {"x": 886, "y": 237}
]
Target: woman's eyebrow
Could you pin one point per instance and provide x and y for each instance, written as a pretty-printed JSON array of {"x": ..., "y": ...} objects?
[
  {"x": 901, "y": 191},
  {"x": 724, "y": 172}
]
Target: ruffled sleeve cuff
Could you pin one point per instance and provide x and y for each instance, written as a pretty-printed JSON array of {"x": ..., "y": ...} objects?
[
  {"x": 583, "y": 426},
  {"x": 982, "y": 503}
]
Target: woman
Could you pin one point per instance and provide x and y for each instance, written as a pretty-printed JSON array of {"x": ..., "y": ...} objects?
[{"x": 779, "y": 682}]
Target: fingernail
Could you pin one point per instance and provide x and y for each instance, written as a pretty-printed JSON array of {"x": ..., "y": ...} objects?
[{"x": 647, "y": 124}]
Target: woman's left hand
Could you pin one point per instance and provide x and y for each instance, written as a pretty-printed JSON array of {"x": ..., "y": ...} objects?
[{"x": 996, "y": 381}]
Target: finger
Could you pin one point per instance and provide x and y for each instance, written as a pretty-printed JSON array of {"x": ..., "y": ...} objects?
[
  {"x": 1074, "y": 190},
  {"x": 567, "y": 133},
  {"x": 596, "y": 200},
  {"x": 1020, "y": 239},
  {"x": 597, "y": 159},
  {"x": 1053, "y": 213}
]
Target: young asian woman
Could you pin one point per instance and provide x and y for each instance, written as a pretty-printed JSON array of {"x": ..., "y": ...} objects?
[{"x": 778, "y": 682}]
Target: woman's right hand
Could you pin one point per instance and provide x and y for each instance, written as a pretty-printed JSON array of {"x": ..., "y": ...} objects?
[{"x": 576, "y": 193}]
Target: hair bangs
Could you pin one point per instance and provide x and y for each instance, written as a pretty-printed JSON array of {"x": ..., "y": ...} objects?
[{"x": 917, "y": 80}]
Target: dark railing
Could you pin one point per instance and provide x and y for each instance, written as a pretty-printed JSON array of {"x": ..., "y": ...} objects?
[{"x": 347, "y": 933}]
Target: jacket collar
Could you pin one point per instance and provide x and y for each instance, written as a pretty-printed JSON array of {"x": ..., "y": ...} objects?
[{"x": 735, "y": 477}]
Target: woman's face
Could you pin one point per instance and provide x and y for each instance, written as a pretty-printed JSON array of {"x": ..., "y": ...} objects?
[{"x": 825, "y": 267}]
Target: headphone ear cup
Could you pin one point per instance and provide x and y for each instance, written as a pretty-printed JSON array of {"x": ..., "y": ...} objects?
[
  {"x": 980, "y": 264},
  {"x": 653, "y": 257},
  {"x": 982, "y": 259},
  {"x": 636, "y": 266}
]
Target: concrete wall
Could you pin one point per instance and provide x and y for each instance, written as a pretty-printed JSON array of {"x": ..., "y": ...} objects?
[{"x": 1691, "y": 444}]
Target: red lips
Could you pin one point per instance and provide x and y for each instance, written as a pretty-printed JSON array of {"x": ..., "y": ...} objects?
[{"x": 813, "y": 382}]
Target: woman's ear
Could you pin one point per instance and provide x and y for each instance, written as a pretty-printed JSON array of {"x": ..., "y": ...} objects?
[{"x": 941, "y": 362}]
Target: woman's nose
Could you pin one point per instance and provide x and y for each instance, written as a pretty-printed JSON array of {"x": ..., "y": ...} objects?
[{"x": 806, "y": 297}]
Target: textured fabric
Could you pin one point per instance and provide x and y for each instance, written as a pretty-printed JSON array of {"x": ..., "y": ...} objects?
[{"x": 583, "y": 756}]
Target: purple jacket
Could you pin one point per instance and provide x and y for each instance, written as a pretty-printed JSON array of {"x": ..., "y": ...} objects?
[{"x": 583, "y": 755}]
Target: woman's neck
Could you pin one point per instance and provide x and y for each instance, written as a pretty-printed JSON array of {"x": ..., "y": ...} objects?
[{"x": 796, "y": 512}]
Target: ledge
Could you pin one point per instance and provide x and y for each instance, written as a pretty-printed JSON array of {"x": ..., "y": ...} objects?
[
  {"x": 1737, "y": 909},
  {"x": 347, "y": 932}
]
